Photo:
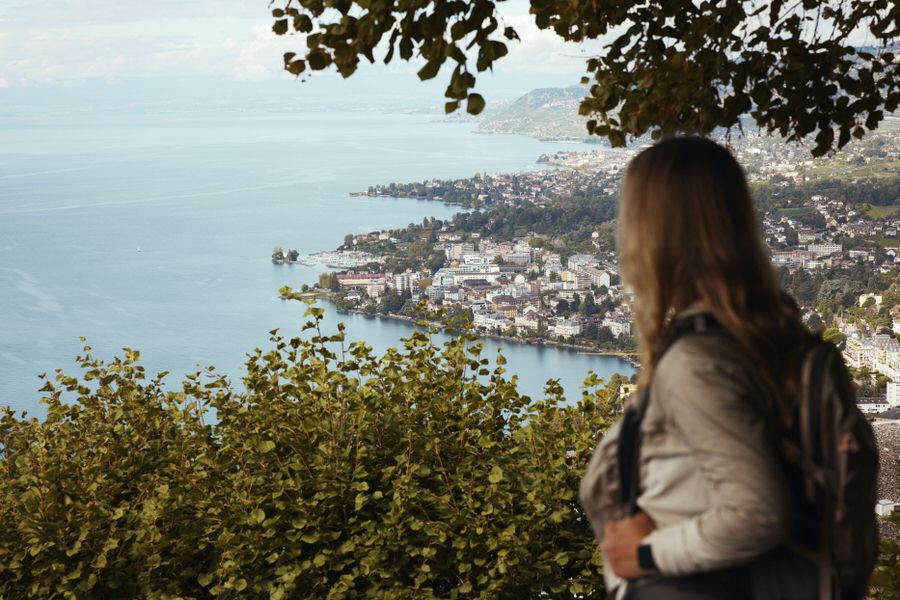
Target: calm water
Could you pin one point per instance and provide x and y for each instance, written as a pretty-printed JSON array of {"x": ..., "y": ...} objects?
[{"x": 154, "y": 231}]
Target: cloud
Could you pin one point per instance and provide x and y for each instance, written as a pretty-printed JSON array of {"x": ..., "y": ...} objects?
[
  {"x": 109, "y": 39},
  {"x": 81, "y": 13},
  {"x": 29, "y": 56},
  {"x": 542, "y": 52},
  {"x": 71, "y": 40}
]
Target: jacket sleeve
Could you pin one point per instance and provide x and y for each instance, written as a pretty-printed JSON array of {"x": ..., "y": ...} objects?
[{"x": 710, "y": 403}]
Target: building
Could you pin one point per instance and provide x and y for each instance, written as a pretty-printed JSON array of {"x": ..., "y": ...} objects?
[
  {"x": 863, "y": 298},
  {"x": 806, "y": 236},
  {"x": 872, "y": 406},
  {"x": 457, "y": 251},
  {"x": 859, "y": 353},
  {"x": 406, "y": 281},
  {"x": 885, "y": 507},
  {"x": 552, "y": 264},
  {"x": 505, "y": 310},
  {"x": 893, "y": 393},
  {"x": 349, "y": 280},
  {"x": 435, "y": 293},
  {"x": 489, "y": 321},
  {"x": 529, "y": 322},
  {"x": 619, "y": 326},
  {"x": 577, "y": 281},
  {"x": 454, "y": 293},
  {"x": 516, "y": 258},
  {"x": 886, "y": 358},
  {"x": 567, "y": 327},
  {"x": 825, "y": 249},
  {"x": 578, "y": 262},
  {"x": 376, "y": 290},
  {"x": 599, "y": 277}
]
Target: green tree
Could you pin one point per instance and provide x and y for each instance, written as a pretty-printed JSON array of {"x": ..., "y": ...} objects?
[
  {"x": 588, "y": 306},
  {"x": 664, "y": 67},
  {"x": 792, "y": 238},
  {"x": 329, "y": 281},
  {"x": 834, "y": 335}
]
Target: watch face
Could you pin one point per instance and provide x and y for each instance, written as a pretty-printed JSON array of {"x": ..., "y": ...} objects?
[{"x": 645, "y": 558}]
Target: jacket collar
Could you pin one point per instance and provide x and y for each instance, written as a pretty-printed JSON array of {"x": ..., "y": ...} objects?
[{"x": 696, "y": 308}]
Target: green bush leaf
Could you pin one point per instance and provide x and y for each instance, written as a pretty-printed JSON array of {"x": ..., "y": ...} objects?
[{"x": 316, "y": 477}]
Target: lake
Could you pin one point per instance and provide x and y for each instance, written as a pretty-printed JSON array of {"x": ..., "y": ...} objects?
[{"x": 153, "y": 230}]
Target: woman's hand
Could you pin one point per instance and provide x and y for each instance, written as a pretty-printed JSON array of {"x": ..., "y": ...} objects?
[{"x": 620, "y": 542}]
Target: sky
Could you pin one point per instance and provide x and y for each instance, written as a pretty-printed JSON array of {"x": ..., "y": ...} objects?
[
  {"x": 85, "y": 48},
  {"x": 128, "y": 52}
]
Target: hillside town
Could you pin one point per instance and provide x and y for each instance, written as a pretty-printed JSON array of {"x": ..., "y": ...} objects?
[
  {"x": 534, "y": 258},
  {"x": 509, "y": 288}
]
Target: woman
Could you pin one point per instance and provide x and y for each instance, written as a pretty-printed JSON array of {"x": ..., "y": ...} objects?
[{"x": 713, "y": 503}]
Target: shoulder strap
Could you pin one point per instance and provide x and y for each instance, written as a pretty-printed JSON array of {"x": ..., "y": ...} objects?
[{"x": 628, "y": 453}]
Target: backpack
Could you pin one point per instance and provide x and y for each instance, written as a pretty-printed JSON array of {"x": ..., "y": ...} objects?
[{"x": 830, "y": 460}]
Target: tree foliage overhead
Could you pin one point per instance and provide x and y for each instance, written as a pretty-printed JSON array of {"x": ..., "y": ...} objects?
[{"x": 667, "y": 66}]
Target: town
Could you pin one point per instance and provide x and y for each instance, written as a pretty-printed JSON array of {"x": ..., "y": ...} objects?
[{"x": 532, "y": 258}]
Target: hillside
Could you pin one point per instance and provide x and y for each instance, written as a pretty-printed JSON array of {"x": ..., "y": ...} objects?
[{"x": 546, "y": 113}]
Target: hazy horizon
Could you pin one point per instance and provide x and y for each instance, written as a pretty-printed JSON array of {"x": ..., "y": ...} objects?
[{"x": 108, "y": 55}]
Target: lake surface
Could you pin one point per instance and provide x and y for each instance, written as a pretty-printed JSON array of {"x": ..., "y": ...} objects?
[{"x": 153, "y": 231}]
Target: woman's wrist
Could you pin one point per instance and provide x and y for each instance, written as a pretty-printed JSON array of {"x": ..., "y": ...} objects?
[{"x": 621, "y": 540}]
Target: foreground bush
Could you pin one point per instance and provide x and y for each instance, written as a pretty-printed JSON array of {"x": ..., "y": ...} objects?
[{"x": 333, "y": 473}]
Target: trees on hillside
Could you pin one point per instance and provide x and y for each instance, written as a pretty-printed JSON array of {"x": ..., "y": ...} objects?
[{"x": 665, "y": 66}]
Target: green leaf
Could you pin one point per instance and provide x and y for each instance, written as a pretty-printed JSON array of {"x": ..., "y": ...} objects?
[
  {"x": 310, "y": 538},
  {"x": 429, "y": 70},
  {"x": 295, "y": 67},
  {"x": 496, "y": 474},
  {"x": 616, "y": 138},
  {"x": 280, "y": 27},
  {"x": 474, "y": 104}
]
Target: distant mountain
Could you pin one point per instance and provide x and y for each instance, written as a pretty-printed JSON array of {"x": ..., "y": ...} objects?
[{"x": 546, "y": 113}]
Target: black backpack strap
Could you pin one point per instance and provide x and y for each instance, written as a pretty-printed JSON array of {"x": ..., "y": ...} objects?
[
  {"x": 628, "y": 453},
  {"x": 628, "y": 450},
  {"x": 698, "y": 323}
]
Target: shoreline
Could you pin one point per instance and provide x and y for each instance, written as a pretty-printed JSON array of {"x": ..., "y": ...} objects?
[{"x": 629, "y": 358}]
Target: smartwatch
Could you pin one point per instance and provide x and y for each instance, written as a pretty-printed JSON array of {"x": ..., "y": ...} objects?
[{"x": 645, "y": 558}]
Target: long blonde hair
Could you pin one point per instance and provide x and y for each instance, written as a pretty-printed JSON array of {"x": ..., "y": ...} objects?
[{"x": 687, "y": 231}]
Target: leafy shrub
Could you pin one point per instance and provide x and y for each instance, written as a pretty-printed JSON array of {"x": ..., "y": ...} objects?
[{"x": 331, "y": 473}]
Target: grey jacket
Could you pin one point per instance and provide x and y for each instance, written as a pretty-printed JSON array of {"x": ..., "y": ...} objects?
[{"x": 709, "y": 476}]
